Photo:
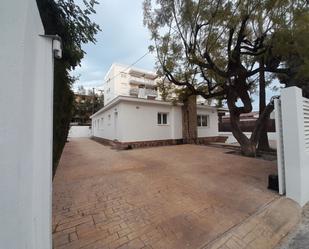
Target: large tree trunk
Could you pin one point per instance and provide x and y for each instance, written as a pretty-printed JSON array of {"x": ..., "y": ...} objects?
[
  {"x": 260, "y": 123},
  {"x": 189, "y": 120},
  {"x": 248, "y": 148},
  {"x": 263, "y": 143}
]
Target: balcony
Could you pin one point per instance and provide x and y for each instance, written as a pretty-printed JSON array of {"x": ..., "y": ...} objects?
[
  {"x": 141, "y": 81},
  {"x": 151, "y": 93},
  {"x": 143, "y": 93},
  {"x": 142, "y": 74},
  {"x": 134, "y": 91}
]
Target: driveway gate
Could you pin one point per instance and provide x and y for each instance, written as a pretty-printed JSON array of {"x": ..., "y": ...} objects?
[{"x": 292, "y": 126}]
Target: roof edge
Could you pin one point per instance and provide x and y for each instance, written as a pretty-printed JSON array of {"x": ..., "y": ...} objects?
[{"x": 121, "y": 98}]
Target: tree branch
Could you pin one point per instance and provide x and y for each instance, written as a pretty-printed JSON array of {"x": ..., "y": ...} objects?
[
  {"x": 241, "y": 35},
  {"x": 230, "y": 42}
]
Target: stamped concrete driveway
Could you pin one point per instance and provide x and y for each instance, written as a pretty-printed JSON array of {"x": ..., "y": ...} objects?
[{"x": 182, "y": 196}]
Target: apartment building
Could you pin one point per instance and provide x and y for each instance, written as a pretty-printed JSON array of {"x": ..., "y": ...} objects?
[{"x": 135, "y": 115}]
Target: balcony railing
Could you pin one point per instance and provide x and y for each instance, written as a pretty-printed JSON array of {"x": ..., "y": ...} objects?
[
  {"x": 144, "y": 74},
  {"x": 134, "y": 91},
  {"x": 151, "y": 92},
  {"x": 141, "y": 81},
  {"x": 143, "y": 93}
]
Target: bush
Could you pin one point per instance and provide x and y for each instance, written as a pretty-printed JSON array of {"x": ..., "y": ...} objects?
[{"x": 74, "y": 26}]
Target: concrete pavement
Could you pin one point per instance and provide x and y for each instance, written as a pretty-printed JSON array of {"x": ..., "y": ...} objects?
[
  {"x": 184, "y": 196},
  {"x": 299, "y": 238}
]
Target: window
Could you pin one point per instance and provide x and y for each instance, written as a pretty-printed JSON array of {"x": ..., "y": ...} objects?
[
  {"x": 162, "y": 118},
  {"x": 102, "y": 123},
  {"x": 202, "y": 120}
]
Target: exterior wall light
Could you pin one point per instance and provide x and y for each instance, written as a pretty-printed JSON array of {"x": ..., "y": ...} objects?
[{"x": 57, "y": 45}]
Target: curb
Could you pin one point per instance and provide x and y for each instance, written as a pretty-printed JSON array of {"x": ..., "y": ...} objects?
[{"x": 262, "y": 230}]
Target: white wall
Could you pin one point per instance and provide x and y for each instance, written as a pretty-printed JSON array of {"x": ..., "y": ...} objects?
[
  {"x": 79, "y": 131},
  {"x": 109, "y": 85},
  {"x": 105, "y": 124},
  {"x": 121, "y": 82},
  {"x": 25, "y": 128},
  {"x": 231, "y": 139},
  {"x": 117, "y": 82},
  {"x": 212, "y": 128},
  {"x": 138, "y": 121},
  {"x": 295, "y": 120}
]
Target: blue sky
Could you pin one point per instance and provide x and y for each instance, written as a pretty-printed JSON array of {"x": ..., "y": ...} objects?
[{"x": 123, "y": 39}]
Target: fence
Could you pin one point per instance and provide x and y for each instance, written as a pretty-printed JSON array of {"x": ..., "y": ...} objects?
[
  {"x": 247, "y": 126},
  {"x": 79, "y": 131}
]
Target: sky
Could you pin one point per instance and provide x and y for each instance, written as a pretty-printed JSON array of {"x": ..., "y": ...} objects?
[{"x": 123, "y": 39}]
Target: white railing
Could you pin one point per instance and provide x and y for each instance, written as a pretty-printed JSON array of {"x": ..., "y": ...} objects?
[
  {"x": 151, "y": 92},
  {"x": 142, "y": 91},
  {"x": 144, "y": 81},
  {"x": 134, "y": 91}
]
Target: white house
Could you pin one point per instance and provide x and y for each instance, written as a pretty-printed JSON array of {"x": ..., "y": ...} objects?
[{"x": 134, "y": 113}]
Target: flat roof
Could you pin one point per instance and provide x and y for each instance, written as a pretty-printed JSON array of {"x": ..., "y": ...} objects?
[{"x": 120, "y": 98}]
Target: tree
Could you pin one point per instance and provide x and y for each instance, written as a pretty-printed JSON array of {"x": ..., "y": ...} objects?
[
  {"x": 85, "y": 105},
  {"x": 81, "y": 90},
  {"x": 300, "y": 80},
  {"x": 214, "y": 48},
  {"x": 263, "y": 143},
  {"x": 296, "y": 54},
  {"x": 73, "y": 24}
]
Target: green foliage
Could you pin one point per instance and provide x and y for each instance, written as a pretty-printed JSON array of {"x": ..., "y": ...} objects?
[
  {"x": 73, "y": 24},
  {"x": 205, "y": 45},
  {"x": 85, "y": 105},
  {"x": 63, "y": 99},
  {"x": 294, "y": 51},
  {"x": 217, "y": 49}
]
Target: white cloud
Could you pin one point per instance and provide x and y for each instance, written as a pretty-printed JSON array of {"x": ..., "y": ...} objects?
[{"x": 123, "y": 39}]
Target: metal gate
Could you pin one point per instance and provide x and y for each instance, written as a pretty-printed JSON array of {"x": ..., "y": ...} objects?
[{"x": 280, "y": 146}]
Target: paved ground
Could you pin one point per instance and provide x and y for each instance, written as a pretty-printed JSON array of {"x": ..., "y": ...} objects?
[
  {"x": 299, "y": 239},
  {"x": 182, "y": 196},
  {"x": 263, "y": 230}
]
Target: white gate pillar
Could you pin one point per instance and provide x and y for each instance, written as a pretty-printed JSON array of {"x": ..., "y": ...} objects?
[{"x": 295, "y": 154}]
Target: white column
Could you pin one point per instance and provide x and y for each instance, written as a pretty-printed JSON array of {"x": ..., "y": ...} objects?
[{"x": 296, "y": 171}]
